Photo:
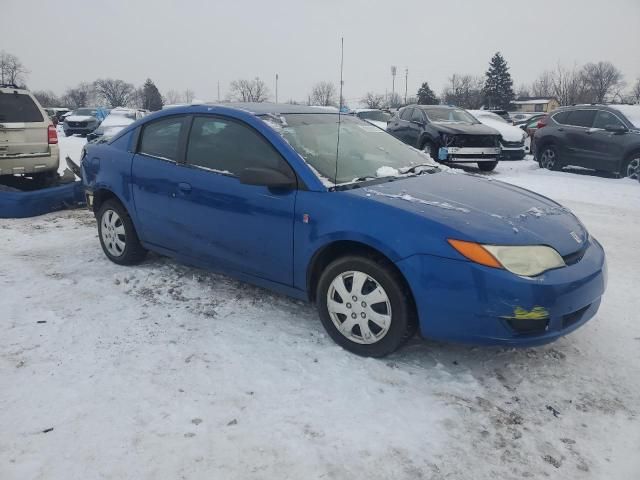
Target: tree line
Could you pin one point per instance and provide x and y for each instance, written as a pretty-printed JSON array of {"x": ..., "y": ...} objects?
[{"x": 597, "y": 82}]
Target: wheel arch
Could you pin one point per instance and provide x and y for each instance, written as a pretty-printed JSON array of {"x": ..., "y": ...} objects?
[
  {"x": 630, "y": 155},
  {"x": 101, "y": 195},
  {"x": 340, "y": 248}
]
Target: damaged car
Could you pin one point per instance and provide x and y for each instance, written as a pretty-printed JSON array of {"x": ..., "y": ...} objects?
[
  {"x": 448, "y": 134},
  {"x": 330, "y": 209}
]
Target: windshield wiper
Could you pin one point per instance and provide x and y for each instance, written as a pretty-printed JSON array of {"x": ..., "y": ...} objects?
[{"x": 427, "y": 167}]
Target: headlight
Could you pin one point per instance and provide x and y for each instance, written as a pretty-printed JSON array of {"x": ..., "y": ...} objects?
[{"x": 527, "y": 260}]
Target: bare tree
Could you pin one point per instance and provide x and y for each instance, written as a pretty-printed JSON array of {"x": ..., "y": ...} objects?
[
  {"x": 464, "y": 91},
  {"x": 603, "y": 79},
  {"x": 569, "y": 86},
  {"x": 394, "y": 100},
  {"x": 373, "y": 100},
  {"x": 635, "y": 92},
  {"x": 323, "y": 94},
  {"x": 171, "y": 97},
  {"x": 12, "y": 69},
  {"x": 188, "y": 95},
  {"x": 47, "y": 98},
  {"x": 249, "y": 90},
  {"x": 81, "y": 96},
  {"x": 114, "y": 91},
  {"x": 523, "y": 91},
  {"x": 136, "y": 99},
  {"x": 543, "y": 86}
]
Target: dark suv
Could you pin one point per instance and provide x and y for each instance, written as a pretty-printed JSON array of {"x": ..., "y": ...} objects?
[
  {"x": 599, "y": 137},
  {"x": 448, "y": 134}
]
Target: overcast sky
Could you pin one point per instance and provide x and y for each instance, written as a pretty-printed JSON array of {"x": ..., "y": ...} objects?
[{"x": 194, "y": 44}]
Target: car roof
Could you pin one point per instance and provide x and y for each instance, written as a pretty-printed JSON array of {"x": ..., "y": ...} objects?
[
  {"x": 442, "y": 107},
  {"x": 265, "y": 108}
]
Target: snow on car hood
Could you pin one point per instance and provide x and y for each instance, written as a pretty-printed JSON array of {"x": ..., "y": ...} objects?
[
  {"x": 482, "y": 210},
  {"x": 79, "y": 118},
  {"x": 377, "y": 123},
  {"x": 465, "y": 128},
  {"x": 509, "y": 132}
]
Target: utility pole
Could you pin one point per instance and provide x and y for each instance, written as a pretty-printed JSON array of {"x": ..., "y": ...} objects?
[
  {"x": 276, "y": 88},
  {"x": 406, "y": 79},
  {"x": 218, "y": 90},
  {"x": 393, "y": 82}
]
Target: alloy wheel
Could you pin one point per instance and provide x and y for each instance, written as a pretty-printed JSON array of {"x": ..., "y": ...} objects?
[
  {"x": 548, "y": 158},
  {"x": 359, "y": 307},
  {"x": 633, "y": 168},
  {"x": 113, "y": 233}
]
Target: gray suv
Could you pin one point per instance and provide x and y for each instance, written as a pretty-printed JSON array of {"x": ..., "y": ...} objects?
[{"x": 598, "y": 137}]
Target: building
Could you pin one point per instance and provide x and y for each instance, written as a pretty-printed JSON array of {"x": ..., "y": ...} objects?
[{"x": 535, "y": 104}]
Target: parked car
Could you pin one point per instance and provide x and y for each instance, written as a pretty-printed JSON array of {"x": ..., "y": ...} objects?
[
  {"x": 56, "y": 113},
  {"x": 117, "y": 119},
  {"x": 28, "y": 138},
  {"x": 502, "y": 114},
  {"x": 448, "y": 134},
  {"x": 519, "y": 118},
  {"x": 512, "y": 139},
  {"x": 598, "y": 137},
  {"x": 374, "y": 116},
  {"x": 530, "y": 128},
  {"x": 84, "y": 120},
  {"x": 371, "y": 230}
]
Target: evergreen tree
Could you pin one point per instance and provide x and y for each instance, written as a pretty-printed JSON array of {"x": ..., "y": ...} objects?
[
  {"x": 151, "y": 98},
  {"x": 426, "y": 95},
  {"x": 498, "y": 87}
]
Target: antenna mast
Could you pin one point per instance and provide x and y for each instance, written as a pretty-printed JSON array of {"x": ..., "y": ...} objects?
[{"x": 335, "y": 177}]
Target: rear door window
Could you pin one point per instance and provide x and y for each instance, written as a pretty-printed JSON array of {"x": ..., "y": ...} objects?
[
  {"x": 162, "y": 138},
  {"x": 561, "y": 117},
  {"x": 581, "y": 118},
  {"x": 18, "y": 108},
  {"x": 406, "y": 114},
  {"x": 417, "y": 115},
  {"x": 228, "y": 146}
]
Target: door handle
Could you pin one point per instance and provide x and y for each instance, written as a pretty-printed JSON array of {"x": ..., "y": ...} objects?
[{"x": 184, "y": 187}]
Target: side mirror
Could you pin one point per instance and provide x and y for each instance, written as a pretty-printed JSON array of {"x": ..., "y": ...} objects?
[
  {"x": 266, "y": 177},
  {"x": 617, "y": 128}
]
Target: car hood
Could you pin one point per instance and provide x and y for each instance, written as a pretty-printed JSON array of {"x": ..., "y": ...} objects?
[
  {"x": 377, "y": 123},
  {"x": 465, "y": 128},
  {"x": 79, "y": 118},
  {"x": 487, "y": 211},
  {"x": 508, "y": 132}
]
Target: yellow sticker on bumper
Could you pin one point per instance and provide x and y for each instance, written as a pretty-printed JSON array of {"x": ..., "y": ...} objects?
[{"x": 536, "y": 313}]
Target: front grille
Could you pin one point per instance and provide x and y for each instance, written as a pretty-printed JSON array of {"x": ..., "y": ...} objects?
[
  {"x": 77, "y": 124},
  {"x": 571, "y": 318},
  {"x": 512, "y": 144},
  {"x": 529, "y": 327},
  {"x": 474, "y": 141}
]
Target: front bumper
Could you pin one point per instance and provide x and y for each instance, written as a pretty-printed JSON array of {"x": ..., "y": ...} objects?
[
  {"x": 458, "y": 300},
  {"x": 468, "y": 154}
]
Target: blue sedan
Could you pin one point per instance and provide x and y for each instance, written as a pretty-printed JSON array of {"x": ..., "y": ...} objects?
[{"x": 331, "y": 209}]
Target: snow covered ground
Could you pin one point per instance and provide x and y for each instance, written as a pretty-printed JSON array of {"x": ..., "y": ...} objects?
[{"x": 163, "y": 371}]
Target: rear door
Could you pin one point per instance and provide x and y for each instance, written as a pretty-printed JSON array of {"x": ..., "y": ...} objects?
[
  {"x": 23, "y": 125},
  {"x": 154, "y": 178},
  {"x": 578, "y": 145},
  {"x": 415, "y": 127},
  {"x": 400, "y": 125}
]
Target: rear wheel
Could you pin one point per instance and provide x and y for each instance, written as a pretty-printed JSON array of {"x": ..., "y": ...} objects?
[
  {"x": 632, "y": 167},
  {"x": 364, "y": 306},
  {"x": 117, "y": 234},
  {"x": 549, "y": 158},
  {"x": 430, "y": 148},
  {"x": 487, "y": 166}
]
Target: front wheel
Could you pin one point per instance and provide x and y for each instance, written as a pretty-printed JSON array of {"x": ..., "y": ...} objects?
[
  {"x": 364, "y": 306},
  {"x": 632, "y": 168},
  {"x": 117, "y": 234},
  {"x": 430, "y": 149},
  {"x": 487, "y": 166}
]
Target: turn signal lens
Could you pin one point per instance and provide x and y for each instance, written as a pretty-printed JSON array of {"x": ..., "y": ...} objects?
[{"x": 475, "y": 252}]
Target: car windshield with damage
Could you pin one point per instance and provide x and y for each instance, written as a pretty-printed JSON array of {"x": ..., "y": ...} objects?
[
  {"x": 449, "y": 115},
  {"x": 349, "y": 149}
]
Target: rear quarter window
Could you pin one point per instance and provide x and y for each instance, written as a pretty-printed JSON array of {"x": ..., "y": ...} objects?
[{"x": 18, "y": 108}]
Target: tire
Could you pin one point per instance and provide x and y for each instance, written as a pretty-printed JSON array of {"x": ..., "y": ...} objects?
[
  {"x": 395, "y": 319},
  {"x": 631, "y": 168},
  {"x": 68, "y": 134},
  {"x": 430, "y": 148},
  {"x": 487, "y": 166},
  {"x": 118, "y": 237},
  {"x": 549, "y": 158}
]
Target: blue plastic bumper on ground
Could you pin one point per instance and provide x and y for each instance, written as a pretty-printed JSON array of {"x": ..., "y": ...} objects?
[
  {"x": 38, "y": 202},
  {"x": 461, "y": 301}
]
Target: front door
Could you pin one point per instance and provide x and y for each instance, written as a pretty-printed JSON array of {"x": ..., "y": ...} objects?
[
  {"x": 246, "y": 228},
  {"x": 606, "y": 146}
]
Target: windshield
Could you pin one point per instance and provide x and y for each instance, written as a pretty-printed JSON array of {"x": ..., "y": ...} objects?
[
  {"x": 449, "y": 115},
  {"x": 490, "y": 116},
  {"x": 375, "y": 115},
  {"x": 364, "y": 151},
  {"x": 87, "y": 112},
  {"x": 632, "y": 112}
]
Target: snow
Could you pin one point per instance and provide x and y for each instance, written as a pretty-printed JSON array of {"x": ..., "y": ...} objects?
[
  {"x": 632, "y": 112},
  {"x": 508, "y": 132},
  {"x": 540, "y": 101},
  {"x": 79, "y": 118},
  {"x": 412, "y": 199},
  {"x": 387, "y": 172},
  {"x": 163, "y": 371}
]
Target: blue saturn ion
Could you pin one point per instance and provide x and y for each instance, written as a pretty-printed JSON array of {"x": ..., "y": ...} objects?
[{"x": 331, "y": 209}]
